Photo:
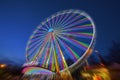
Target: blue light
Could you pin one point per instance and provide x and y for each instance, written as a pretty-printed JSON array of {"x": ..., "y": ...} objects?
[{"x": 50, "y": 30}]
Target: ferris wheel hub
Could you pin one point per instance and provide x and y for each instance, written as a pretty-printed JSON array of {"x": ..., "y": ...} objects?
[{"x": 50, "y": 30}]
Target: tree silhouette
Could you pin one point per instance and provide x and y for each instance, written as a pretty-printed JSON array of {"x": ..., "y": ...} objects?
[{"x": 115, "y": 52}]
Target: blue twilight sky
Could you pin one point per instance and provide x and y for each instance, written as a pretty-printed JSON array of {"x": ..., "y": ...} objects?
[{"x": 19, "y": 18}]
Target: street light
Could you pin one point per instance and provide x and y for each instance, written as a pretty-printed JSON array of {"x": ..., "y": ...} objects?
[{"x": 2, "y": 65}]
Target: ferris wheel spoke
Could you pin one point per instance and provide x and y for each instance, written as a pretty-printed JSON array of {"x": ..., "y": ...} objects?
[
  {"x": 33, "y": 48},
  {"x": 56, "y": 19},
  {"x": 69, "y": 18},
  {"x": 52, "y": 63},
  {"x": 39, "y": 31},
  {"x": 80, "y": 34},
  {"x": 38, "y": 37},
  {"x": 42, "y": 55},
  {"x": 38, "y": 54},
  {"x": 45, "y": 61},
  {"x": 63, "y": 61},
  {"x": 48, "y": 59},
  {"x": 76, "y": 43},
  {"x": 53, "y": 21},
  {"x": 69, "y": 22},
  {"x": 49, "y": 24},
  {"x": 63, "y": 19},
  {"x": 45, "y": 43},
  {"x": 85, "y": 45},
  {"x": 42, "y": 47},
  {"x": 75, "y": 23},
  {"x": 59, "y": 20},
  {"x": 46, "y": 54},
  {"x": 38, "y": 41},
  {"x": 69, "y": 50},
  {"x": 86, "y": 26},
  {"x": 35, "y": 43},
  {"x": 57, "y": 68},
  {"x": 41, "y": 27},
  {"x": 75, "y": 28}
]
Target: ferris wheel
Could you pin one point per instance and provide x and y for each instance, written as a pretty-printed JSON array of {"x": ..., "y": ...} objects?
[{"x": 62, "y": 41}]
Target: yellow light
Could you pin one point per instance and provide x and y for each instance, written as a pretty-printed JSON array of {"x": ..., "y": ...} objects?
[
  {"x": 2, "y": 65},
  {"x": 86, "y": 75}
]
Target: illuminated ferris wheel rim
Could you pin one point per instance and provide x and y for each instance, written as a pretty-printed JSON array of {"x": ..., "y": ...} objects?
[{"x": 75, "y": 12}]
